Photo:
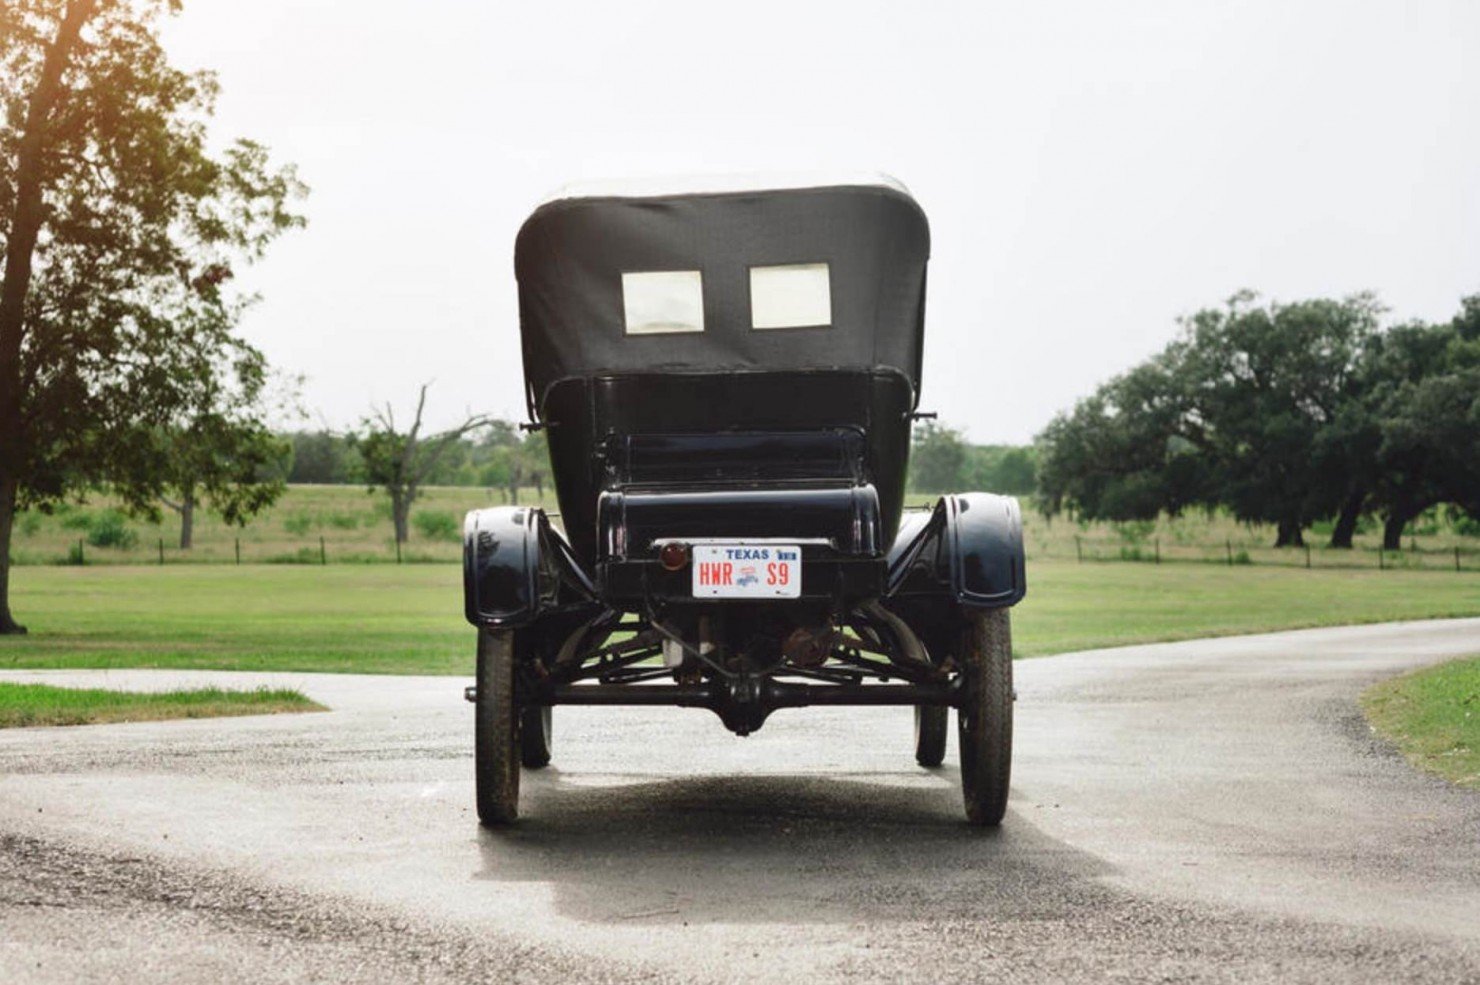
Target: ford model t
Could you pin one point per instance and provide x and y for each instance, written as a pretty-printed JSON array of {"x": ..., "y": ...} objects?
[{"x": 728, "y": 378}]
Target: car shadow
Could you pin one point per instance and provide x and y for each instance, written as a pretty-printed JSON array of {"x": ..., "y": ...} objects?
[{"x": 774, "y": 849}]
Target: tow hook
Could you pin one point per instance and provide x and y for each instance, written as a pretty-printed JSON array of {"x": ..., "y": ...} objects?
[{"x": 470, "y": 693}]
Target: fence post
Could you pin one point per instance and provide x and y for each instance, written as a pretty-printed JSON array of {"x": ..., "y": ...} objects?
[
  {"x": 1078, "y": 551},
  {"x": 238, "y": 550},
  {"x": 1307, "y": 557},
  {"x": 1456, "y": 557},
  {"x": 1158, "y": 550},
  {"x": 81, "y": 557},
  {"x": 398, "y": 551},
  {"x": 323, "y": 552},
  {"x": 161, "y": 552},
  {"x": 1229, "y": 545}
]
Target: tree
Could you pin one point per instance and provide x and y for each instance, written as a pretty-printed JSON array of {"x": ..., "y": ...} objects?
[
  {"x": 1263, "y": 384},
  {"x": 1238, "y": 412},
  {"x": 220, "y": 453},
  {"x": 1124, "y": 453},
  {"x": 120, "y": 230},
  {"x": 223, "y": 461},
  {"x": 534, "y": 456},
  {"x": 323, "y": 458},
  {"x": 1425, "y": 403},
  {"x": 937, "y": 458},
  {"x": 400, "y": 461}
]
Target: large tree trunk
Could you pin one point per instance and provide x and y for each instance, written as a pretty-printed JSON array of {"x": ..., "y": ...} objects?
[
  {"x": 8, "y": 626},
  {"x": 1289, "y": 534},
  {"x": 187, "y": 519},
  {"x": 22, "y": 232},
  {"x": 1346, "y": 522},
  {"x": 1392, "y": 530}
]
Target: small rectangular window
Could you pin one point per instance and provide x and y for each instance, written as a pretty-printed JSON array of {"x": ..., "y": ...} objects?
[
  {"x": 662, "y": 302},
  {"x": 797, "y": 295}
]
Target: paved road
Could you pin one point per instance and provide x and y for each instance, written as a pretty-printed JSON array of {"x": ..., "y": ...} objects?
[{"x": 1213, "y": 810}]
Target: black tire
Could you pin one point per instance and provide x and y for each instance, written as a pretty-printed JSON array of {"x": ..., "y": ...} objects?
[
  {"x": 931, "y": 724},
  {"x": 534, "y": 737},
  {"x": 984, "y": 720},
  {"x": 496, "y": 731}
]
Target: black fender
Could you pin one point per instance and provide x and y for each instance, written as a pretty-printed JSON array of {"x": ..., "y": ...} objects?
[
  {"x": 970, "y": 544},
  {"x": 515, "y": 566}
]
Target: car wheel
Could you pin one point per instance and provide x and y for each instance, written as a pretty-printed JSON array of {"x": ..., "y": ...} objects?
[
  {"x": 931, "y": 723},
  {"x": 496, "y": 730},
  {"x": 534, "y": 737},
  {"x": 984, "y": 720}
]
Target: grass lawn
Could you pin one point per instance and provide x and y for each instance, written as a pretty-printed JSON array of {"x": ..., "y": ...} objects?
[
  {"x": 1434, "y": 717},
  {"x": 408, "y": 619},
  {"x": 41, "y": 704}
]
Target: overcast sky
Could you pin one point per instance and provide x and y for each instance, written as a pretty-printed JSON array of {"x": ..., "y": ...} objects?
[{"x": 1091, "y": 170}]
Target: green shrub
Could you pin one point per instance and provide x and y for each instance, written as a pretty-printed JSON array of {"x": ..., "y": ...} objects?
[
  {"x": 344, "y": 521},
  {"x": 29, "y": 523},
  {"x": 437, "y": 525},
  {"x": 109, "y": 529},
  {"x": 76, "y": 519}
]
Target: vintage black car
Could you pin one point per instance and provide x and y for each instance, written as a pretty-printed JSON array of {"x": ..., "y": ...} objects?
[{"x": 728, "y": 376}]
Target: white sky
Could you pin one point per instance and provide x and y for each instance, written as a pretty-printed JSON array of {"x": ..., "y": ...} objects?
[{"x": 1091, "y": 170}]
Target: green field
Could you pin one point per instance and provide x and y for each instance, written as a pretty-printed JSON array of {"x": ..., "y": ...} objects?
[
  {"x": 408, "y": 619},
  {"x": 346, "y": 524},
  {"x": 41, "y": 704},
  {"x": 1434, "y": 717}
]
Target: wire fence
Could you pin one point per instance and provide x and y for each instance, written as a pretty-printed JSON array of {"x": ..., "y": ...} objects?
[
  {"x": 1081, "y": 549},
  {"x": 323, "y": 551},
  {"x": 1093, "y": 550}
]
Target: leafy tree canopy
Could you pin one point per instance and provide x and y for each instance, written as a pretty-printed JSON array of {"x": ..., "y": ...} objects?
[
  {"x": 121, "y": 227},
  {"x": 1283, "y": 414}
]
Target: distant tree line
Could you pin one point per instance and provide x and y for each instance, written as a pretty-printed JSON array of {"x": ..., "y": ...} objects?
[
  {"x": 1285, "y": 414},
  {"x": 942, "y": 461},
  {"x": 500, "y": 457},
  {"x": 496, "y": 457}
]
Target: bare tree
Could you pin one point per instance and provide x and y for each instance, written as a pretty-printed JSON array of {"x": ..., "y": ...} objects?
[{"x": 399, "y": 462}]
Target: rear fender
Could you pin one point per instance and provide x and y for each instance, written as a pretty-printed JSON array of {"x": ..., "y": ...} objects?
[
  {"x": 971, "y": 546},
  {"x": 515, "y": 566}
]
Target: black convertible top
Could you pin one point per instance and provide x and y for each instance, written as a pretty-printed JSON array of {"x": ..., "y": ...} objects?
[{"x": 572, "y": 252}]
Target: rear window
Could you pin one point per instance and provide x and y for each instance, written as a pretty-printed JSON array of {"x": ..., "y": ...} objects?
[
  {"x": 663, "y": 302},
  {"x": 797, "y": 295}
]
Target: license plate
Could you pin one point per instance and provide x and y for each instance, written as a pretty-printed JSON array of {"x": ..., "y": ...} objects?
[{"x": 747, "y": 571}]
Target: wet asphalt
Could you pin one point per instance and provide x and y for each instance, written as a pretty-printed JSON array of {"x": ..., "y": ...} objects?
[{"x": 1214, "y": 810}]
